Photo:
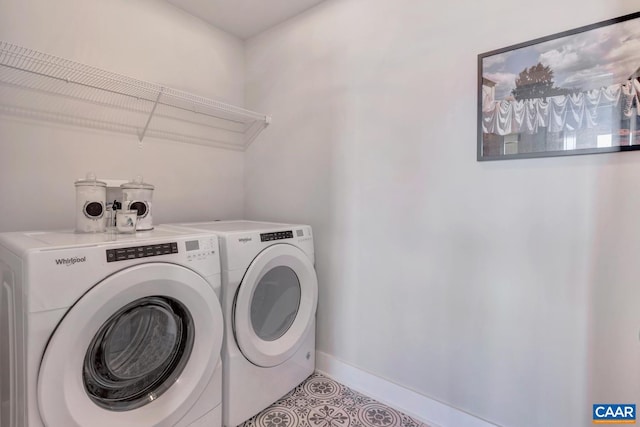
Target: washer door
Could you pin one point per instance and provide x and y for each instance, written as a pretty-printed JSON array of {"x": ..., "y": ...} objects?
[
  {"x": 275, "y": 305},
  {"x": 137, "y": 349}
]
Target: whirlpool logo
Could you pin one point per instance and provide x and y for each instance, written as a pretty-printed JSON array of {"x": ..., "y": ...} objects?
[
  {"x": 70, "y": 261},
  {"x": 245, "y": 239}
]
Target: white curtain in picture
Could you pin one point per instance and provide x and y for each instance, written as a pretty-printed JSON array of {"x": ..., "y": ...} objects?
[{"x": 583, "y": 110}]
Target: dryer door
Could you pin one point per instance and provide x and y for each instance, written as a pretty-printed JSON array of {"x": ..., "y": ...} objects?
[
  {"x": 138, "y": 349},
  {"x": 275, "y": 305}
]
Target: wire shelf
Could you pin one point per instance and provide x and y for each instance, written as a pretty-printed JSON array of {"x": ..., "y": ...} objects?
[{"x": 39, "y": 86}]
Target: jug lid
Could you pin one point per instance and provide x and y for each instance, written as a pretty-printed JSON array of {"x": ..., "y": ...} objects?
[
  {"x": 90, "y": 180},
  {"x": 137, "y": 183}
]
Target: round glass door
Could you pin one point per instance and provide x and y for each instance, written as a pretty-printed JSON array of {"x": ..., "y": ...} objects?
[
  {"x": 139, "y": 348},
  {"x": 138, "y": 353},
  {"x": 275, "y": 305}
]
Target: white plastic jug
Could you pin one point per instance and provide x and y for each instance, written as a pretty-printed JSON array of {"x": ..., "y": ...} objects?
[
  {"x": 138, "y": 195},
  {"x": 91, "y": 196}
]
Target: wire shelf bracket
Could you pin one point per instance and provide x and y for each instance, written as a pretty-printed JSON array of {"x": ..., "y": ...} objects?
[{"x": 153, "y": 110}]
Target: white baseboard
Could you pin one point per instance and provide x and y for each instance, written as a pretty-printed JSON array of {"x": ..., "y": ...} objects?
[{"x": 422, "y": 408}]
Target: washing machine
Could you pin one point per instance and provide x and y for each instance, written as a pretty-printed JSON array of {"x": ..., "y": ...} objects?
[
  {"x": 269, "y": 300},
  {"x": 108, "y": 329}
]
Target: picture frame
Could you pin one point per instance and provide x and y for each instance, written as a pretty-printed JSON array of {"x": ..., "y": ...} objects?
[{"x": 574, "y": 92}]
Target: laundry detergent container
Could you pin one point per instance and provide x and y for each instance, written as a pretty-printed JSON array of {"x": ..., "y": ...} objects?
[
  {"x": 91, "y": 195},
  {"x": 138, "y": 195}
]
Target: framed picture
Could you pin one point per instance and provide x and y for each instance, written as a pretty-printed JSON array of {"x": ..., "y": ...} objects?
[{"x": 574, "y": 92}]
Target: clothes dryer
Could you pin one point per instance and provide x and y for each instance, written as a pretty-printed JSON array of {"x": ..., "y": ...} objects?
[
  {"x": 108, "y": 330},
  {"x": 269, "y": 300}
]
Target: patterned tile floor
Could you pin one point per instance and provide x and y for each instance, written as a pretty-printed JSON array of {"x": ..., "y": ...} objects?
[{"x": 322, "y": 402}]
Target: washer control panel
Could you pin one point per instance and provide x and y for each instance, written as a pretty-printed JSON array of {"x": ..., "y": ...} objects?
[
  {"x": 200, "y": 249},
  {"x": 133, "y": 252}
]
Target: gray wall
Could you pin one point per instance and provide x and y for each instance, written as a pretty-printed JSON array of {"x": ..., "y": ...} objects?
[
  {"x": 506, "y": 289},
  {"x": 149, "y": 40}
]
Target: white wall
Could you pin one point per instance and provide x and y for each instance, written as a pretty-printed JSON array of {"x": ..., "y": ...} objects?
[
  {"x": 506, "y": 289},
  {"x": 147, "y": 39}
]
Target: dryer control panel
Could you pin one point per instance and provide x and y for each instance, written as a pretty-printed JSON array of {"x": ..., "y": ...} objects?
[{"x": 278, "y": 235}]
